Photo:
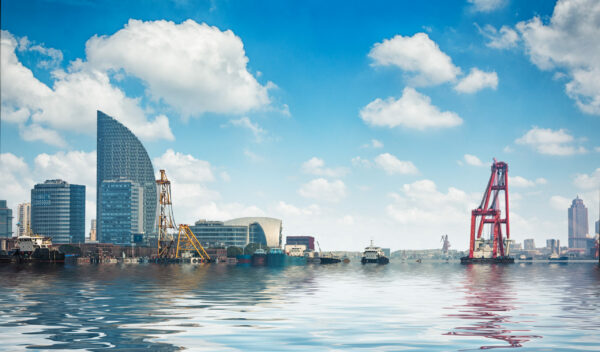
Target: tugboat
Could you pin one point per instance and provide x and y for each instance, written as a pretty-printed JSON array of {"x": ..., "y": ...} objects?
[
  {"x": 259, "y": 258},
  {"x": 327, "y": 258},
  {"x": 374, "y": 254},
  {"x": 554, "y": 256},
  {"x": 37, "y": 248}
]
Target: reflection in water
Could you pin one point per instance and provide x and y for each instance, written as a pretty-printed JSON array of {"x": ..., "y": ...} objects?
[{"x": 489, "y": 301}]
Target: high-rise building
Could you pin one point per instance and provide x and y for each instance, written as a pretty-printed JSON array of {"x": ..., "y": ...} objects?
[
  {"x": 122, "y": 211},
  {"x": 93, "y": 235},
  {"x": 578, "y": 224},
  {"x": 5, "y": 220},
  {"x": 24, "y": 216},
  {"x": 120, "y": 155},
  {"x": 529, "y": 244},
  {"x": 58, "y": 211},
  {"x": 553, "y": 246}
]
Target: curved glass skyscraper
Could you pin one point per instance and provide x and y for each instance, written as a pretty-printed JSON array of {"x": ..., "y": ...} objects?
[{"x": 120, "y": 155}]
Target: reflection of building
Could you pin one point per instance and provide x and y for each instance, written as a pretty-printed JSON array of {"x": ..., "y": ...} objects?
[
  {"x": 122, "y": 156},
  {"x": 5, "y": 220},
  {"x": 24, "y": 216},
  {"x": 578, "y": 224},
  {"x": 529, "y": 244},
  {"x": 58, "y": 211},
  {"x": 122, "y": 211},
  {"x": 308, "y": 241},
  {"x": 239, "y": 232},
  {"x": 93, "y": 236}
]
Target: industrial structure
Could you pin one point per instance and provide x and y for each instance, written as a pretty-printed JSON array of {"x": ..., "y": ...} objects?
[
  {"x": 495, "y": 249},
  {"x": 446, "y": 244},
  {"x": 186, "y": 244}
]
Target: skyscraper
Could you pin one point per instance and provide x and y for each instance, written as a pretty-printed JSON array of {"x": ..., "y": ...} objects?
[
  {"x": 93, "y": 237},
  {"x": 5, "y": 220},
  {"x": 120, "y": 155},
  {"x": 578, "y": 224},
  {"x": 24, "y": 216},
  {"x": 58, "y": 211},
  {"x": 122, "y": 211}
]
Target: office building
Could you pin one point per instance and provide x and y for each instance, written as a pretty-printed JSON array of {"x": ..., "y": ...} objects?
[
  {"x": 5, "y": 220},
  {"x": 308, "y": 241},
  {"x": 529, "y": 244},
  {"x": 58, "y": 211},
  {"x": 578, "y": 224},
  {"x": 553, "y": 246},
  {"x": 120, "y": 155},
  {"x": 24, "y": 218},
  {"x": 239, "y": 232},
  {"x": 122, "y": 211}
]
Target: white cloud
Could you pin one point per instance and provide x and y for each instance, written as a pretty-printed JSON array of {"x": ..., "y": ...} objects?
[
  {"x": 184, "y": 167},
  {"x": 550, "y": 142},
  {"x": 392, "y": 165},
  {"x": 375, "y": 144},
  {"x": 585, "y": 181},
  {"x": 53, "y": 56},
  {"x": 522, "y": 182},
  {"x": 476, "y": 81},
  {"x": 347, "y": 220},
  {"x": 412, "y": 110},
  {"x": 473, "y": 160},
  {"x": 324, "y": 190},
  {"x": 486, "y": 5},
  {"x": 71, "y": 103},
  {"x": 253, "y": 157},
  {"x": 195, "y": 68},
  {"x": 287, "y": 209},
  {"x": 569, "y": 42},
  {"x": 256, "y": 130},
  {"x": 417, "y": 54},
  {"x": 35, "y": 132},
  {"x": 316, "y": 166},
  {"x": 504, "y": 38},
  {"x": 560, "y": 203},
  {"x": 357, "y": 161}
]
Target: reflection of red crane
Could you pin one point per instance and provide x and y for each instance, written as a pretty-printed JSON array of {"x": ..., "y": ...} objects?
[{"x": 489, "y": 211}]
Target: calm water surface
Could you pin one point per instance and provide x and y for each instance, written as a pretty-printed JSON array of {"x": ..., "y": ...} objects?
[{"x": 401, "y": 306}]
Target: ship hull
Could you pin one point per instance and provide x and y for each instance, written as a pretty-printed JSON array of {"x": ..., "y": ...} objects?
[
  {"x": 259, "y": 260},
  {"x": 330, "y": 260},
  {"x": 498, "y": 260},
  {"x": 380, "y": 260}
]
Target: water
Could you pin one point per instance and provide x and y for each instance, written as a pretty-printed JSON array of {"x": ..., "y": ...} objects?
[{"x": 401, "y": 306}]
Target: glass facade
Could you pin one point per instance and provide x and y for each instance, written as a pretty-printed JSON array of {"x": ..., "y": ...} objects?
[
  {"x": 578, "y": 224},
  {"x": 217, "y": 234},
  {"x": 122, "y": 211},
  {"x": 122, "y": 156},
  {"x": 58, "y": 211},
  {"x": 5, "y": 220}
]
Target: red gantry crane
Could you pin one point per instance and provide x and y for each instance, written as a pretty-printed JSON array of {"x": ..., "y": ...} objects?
[{"x": 496, "y": 248}]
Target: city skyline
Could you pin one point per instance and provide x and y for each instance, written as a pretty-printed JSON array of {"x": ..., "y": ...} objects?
[{"x": 332, "y": 123}]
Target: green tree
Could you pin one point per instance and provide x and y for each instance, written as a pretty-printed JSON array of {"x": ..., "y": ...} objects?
[{"x": 233, "y": 251}]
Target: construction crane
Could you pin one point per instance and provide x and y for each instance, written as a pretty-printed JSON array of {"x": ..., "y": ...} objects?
[
  {"x": 495, "y": 249},
  {"x": 186, "y": 240}
]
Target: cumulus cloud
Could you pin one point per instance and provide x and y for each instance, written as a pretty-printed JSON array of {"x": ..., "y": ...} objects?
[
  {"x": 392, "y": 165},
  {"x": 486, "y": 5},
  {"x": 185, "y": 167},
  {"x": 70, "y": 104},
  {"x": 244, "y": 122},
  {"x": 569, "y": 42},
  {"x": 560, "y": 203},
  {"x": 473, "y": 160},
  {"x": 324, "y": 190},
  {"x": 550, "y": 142},
  {"x": 51, "y": 57},
  {"x": 588, "y": 182},
  {"x": 412, "y": 110},
  {"x": 476, "y": 81},
  {"x": 357, "y": 161},
  {"x": 522, "y": 182},
  {"x": 316, "y": 166},
  {"x": 375, "y": 144},
  {"x": 504, "y": 38},
  {"x": 288, "y": 209},
  {"x": 417, "y": 54},
  {"x": 195, "y": 68}
]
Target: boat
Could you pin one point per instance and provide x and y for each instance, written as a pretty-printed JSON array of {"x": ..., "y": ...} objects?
[
  {"x": 328, "y": 258},
  {"x": 295, "y": 256},
  {"x": 375, "y": 255},
  {"x": 36, "y": 248},
  {"x": 244, "y": 259},
  {"x": 259, "y": 258},
  {"x": 312, "y": 257},
  {"x": 345, "y": 259},
  {"x": 555, "y": 256}
]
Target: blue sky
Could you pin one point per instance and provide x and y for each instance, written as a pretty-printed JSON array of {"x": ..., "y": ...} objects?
[{"x": 349, "y": 121}]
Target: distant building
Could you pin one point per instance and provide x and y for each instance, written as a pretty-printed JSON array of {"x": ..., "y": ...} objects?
[
  {"x": 93, "y": 234},
  {"x": 239, "y": 232},
  {"x": 122, "y": 212},
  {"x": 308, "y": 241},
  {"x": 578, "y": 224},
  {"x": 5, "y": 220},
  {"x": 58, "y": 211},
  {"x": 121, "y": 155},
  {"x": 529, "y": 244},
  {"x": 387, "y": 251},
  {"x": 553, "y": 246},
  {"x": 24, "y": 216}
]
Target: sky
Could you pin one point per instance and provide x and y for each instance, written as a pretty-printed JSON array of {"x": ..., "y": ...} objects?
[{"x": 350, "y": 121}]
